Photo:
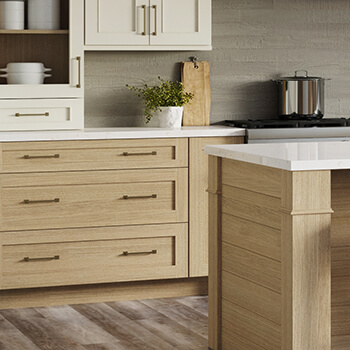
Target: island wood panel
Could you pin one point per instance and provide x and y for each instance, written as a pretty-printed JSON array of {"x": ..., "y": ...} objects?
[
  {"x": 233, "y": 341},
  {"x": 257, "y": 238},
  {"x": 251, "y": 177},
  {"x": 340, "y": 240},
  {"x": 93, "y": 155},
  {"x": 250, "y": 326},
  {"x": 302, "y": 216},
  {"x": 252, "y": 206},
  {"x": 156, "y": 197},
  {"x": 247, "y": 244},
  {"x": 251, "y": 296},
  {"x": 256, "y": 268},
  {"x": 306, "y": 285},
  {"x": 215, "y": 232},
  {"x": 340, "y": 342},
  {"x": 198, "y": 201}
]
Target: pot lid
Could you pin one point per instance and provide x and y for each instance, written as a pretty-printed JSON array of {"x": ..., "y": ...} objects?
[{"x": 305, "y": 76}]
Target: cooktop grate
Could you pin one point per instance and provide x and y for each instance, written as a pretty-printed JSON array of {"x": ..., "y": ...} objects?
[{"x": 295, "y": 123}]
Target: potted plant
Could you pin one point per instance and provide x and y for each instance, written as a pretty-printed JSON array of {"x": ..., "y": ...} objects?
[{"x": 164, "y": 101}]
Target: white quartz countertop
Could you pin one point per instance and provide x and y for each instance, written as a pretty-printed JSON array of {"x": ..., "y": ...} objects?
[
  {"x": 289, "y": 156},
  {"x": 120, "y": 133}
]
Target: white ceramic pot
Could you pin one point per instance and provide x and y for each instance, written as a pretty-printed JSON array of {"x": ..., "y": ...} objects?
[
  {"x": 169, "y": 117},
  {"x": 44, "y": 14},
  {"x": 12, "y": 14},
  {"x": 25, "y": 78},
  {"x": 25, "y": 67}
]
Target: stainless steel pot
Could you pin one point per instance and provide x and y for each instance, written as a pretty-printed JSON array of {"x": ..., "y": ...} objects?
[{"x": 301, "y": 97}]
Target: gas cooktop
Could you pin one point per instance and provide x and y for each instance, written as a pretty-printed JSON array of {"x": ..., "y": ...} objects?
[{"x": 288, "y": 123}]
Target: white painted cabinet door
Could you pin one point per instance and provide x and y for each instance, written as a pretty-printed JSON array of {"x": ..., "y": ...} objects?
[
  {"x": 180, "y": 22},
  {"x": 116, "y": 22},
  {"x": 64, "y": 49}
]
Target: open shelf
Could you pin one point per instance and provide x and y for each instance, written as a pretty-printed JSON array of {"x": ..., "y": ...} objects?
[{"x": 32, "y": 31}]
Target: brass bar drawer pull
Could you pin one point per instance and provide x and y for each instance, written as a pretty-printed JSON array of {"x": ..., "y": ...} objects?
[
  {"x": 46, "y": 114},
  {"x": 139, "y": 197},
  {"x": 27, "y": 201},
  {"x": 27, "y": 156},
  {"x": 144, "y": 20},
  {"x": 126, "y": 154},
  {"x": 78, "y": 58},
  {"x": 27, "y": 258},
  {"x": 155, "y": 20},
  {"x": 154, "y": 251}
]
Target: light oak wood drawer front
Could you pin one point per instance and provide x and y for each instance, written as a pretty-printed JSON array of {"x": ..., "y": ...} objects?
[
  {"x": 41, "y": 114},
  {"x": 94, "y": 155},
  {"x": 150, "y": 197},
  {"x": 141, "y": 256}
]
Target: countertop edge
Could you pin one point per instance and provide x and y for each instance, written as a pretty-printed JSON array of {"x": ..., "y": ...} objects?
[
  {"x": 244, "y": 153},
  {"x": 120, "y": 133}
]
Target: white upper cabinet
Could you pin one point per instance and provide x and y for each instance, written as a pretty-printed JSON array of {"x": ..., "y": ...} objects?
[
  {"x": 58, "y": 103},
  {"x": 61, "y": 50},
  {"x": 116, "y": 21},
  {"x": 147, "y": 24}
]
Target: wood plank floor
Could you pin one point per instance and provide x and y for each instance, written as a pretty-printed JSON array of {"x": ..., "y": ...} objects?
[{"x": 157, "y": 324}]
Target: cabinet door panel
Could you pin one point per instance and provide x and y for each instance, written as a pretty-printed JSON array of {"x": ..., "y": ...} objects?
[
  {"x": 110, "y": 22},
  {"x": 180, "y": 22}
]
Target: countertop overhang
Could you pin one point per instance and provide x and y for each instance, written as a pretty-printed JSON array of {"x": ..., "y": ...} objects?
[
  {"x": 289, "y": 156},
  {"x": 120, "y": 133}
]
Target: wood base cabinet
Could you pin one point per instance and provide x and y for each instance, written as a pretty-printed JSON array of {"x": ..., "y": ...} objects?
[{"x": 103, "y": 215}]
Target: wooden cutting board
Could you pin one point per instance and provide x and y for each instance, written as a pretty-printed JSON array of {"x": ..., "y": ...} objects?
[{"x": 197, "y": 81}]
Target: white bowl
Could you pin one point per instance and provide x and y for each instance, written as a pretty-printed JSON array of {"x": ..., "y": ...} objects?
[
  {"x": 25, "y": 78},
  {"x": 25, "y": 67}
]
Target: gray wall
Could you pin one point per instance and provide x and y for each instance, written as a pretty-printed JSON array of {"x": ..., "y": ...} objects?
[{"x": 254, "y": 41}]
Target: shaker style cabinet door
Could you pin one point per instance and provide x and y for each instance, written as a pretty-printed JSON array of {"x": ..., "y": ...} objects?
[
  {"x": 180, "y": 22},
  {"x": 116, "y": 22},
  {"x": 61, "y": 50}
]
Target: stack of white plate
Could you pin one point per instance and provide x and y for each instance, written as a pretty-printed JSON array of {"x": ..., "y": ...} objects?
[
  {"x": 12, "y": 14},
  {"x": 25, "y": 73},
  {"x": 43, "y": 14}
]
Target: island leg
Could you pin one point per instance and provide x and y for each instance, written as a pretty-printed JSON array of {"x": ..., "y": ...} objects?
[{"x": 306, "y": 260}]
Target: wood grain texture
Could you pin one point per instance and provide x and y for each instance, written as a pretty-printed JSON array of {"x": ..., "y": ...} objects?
[
  {"x": 133, "y": 325},
  {"x": 198, "y": 201},
  {"x": 94, "y": 155},
  {"x": 83, "y": 205},
  {"x": 251, "y": 266},
  {"x": 233, "y": 341},
  {"x": 98, "y": 261},
  {"x": 251, "y": 296},
  {"x": 252, "y": 177},
  {"x": 255, "y": 207},
  {"x": 196, "y": 81},
  {"x": 214, "y": 280},
  {"x": 248, "y": 325},
  {"x": 257, "y": 238},
  {"x": 306, "y": 283}
]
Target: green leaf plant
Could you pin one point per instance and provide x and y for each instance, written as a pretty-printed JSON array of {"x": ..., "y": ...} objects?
[{"x": 166, "y": 94}]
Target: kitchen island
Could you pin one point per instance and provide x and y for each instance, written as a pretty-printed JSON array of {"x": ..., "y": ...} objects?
[{"x": 279, "y": 256}]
